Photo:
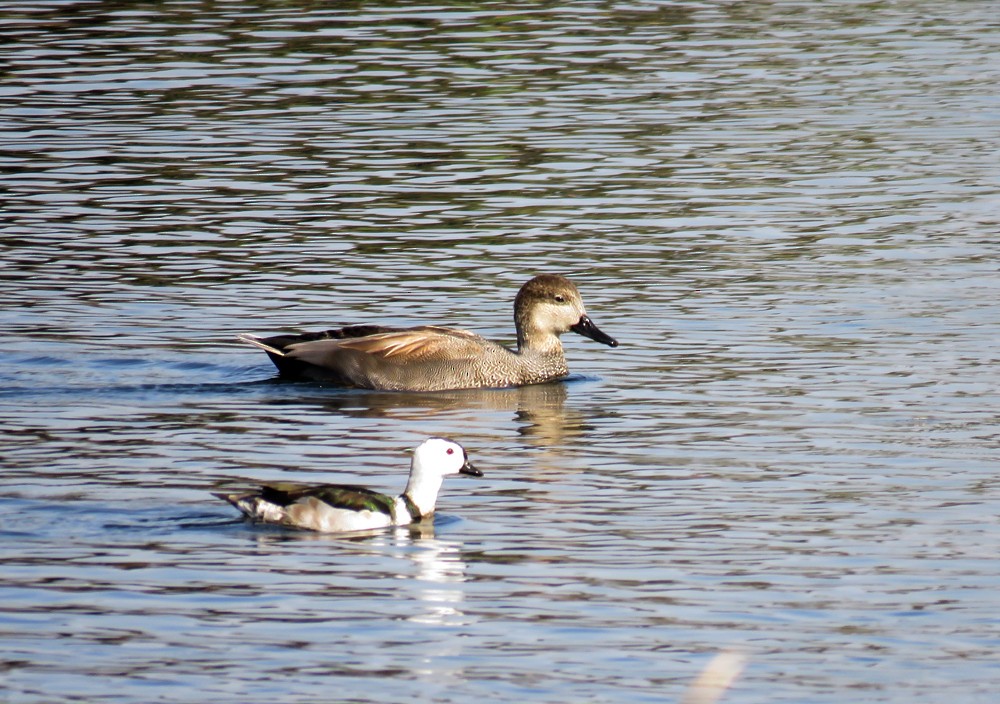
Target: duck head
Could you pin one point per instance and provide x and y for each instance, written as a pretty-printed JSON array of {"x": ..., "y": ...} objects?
[
  {"x": 441, "y": 457},
  {"x": 433, "y": 460},
  {"x": 549, "y": 305}
]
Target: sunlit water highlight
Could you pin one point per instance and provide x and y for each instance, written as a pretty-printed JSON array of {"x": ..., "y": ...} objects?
[{"x": 786, "y": 212}]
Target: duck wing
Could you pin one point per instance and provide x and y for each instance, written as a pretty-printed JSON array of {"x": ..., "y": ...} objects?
[
  {"x": 405, "y": 347},
  {"x": 421, "y": 344},
  {"x": 424, "y": 358},
  {"x": 341, "y": 496},
  {"x": 281, "y": 342}
]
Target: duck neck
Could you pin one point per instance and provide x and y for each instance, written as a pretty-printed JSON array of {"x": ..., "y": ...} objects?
[
  {"x": 536, "y": 341},
  {"x": 421, "y": 490}
]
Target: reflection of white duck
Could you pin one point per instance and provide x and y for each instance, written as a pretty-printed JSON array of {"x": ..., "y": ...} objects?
[
  {"x": 438, "y": 585},
  {"x": 335, "y": 508}
]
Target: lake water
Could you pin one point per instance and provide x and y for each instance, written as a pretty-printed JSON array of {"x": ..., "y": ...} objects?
[{"x": 787, "y": 212}]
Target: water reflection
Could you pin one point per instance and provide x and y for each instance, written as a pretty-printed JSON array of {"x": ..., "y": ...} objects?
[
  {"x": 440, "y": 571},
  {"x": 432, "y": 568},
  {"x": 538, "y": 411},
  {"x": 790, "y": 207}
]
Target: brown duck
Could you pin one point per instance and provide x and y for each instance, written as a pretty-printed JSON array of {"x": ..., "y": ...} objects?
[{"x": 434, "y": 358}]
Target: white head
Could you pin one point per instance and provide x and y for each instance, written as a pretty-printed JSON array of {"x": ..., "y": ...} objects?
[
  {"x": 433, "y": 460},
  {"x": 443, "y": 457}
]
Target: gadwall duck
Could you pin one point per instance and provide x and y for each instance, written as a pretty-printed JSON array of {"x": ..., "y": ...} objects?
[
  {"x": 338, "y": 508},
  {"x": 433, "y": 358}
]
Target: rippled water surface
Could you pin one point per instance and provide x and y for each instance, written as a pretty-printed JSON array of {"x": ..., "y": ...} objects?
[{"x": 787, "y": 212}]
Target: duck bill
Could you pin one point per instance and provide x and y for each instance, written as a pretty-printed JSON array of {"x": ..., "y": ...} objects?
[
  {"x": 469, "y": 469},
  {"x": 587, "y": 328}
]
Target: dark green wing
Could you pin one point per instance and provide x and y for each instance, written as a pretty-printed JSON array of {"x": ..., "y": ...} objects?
[{"x": 352, "y": 498}]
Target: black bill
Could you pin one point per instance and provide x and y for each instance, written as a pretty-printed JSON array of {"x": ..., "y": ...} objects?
[
  {"x": 587, "y": 328},
  {"x": 470, "y": 469}
]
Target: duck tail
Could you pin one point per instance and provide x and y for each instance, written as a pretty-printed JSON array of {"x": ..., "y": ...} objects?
[
  {"x": 258, "y": 342},
  {"x": 247, "y": 503},
  {"x": 254, "y": 507},
  {"x": 231, "y": 498}
]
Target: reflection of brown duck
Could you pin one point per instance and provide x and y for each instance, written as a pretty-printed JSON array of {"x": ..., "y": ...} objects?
[
  {"x": 538, "y": 411},
  {"x": 433, "y": 358}
]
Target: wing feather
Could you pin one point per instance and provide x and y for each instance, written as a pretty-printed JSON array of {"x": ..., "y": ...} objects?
[
  {"x": 423, "y": 344},
  {"x": 344, "y": 496}
]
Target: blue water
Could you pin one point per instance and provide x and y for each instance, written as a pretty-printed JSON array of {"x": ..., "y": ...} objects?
[{"x": 786, "y": 213}]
